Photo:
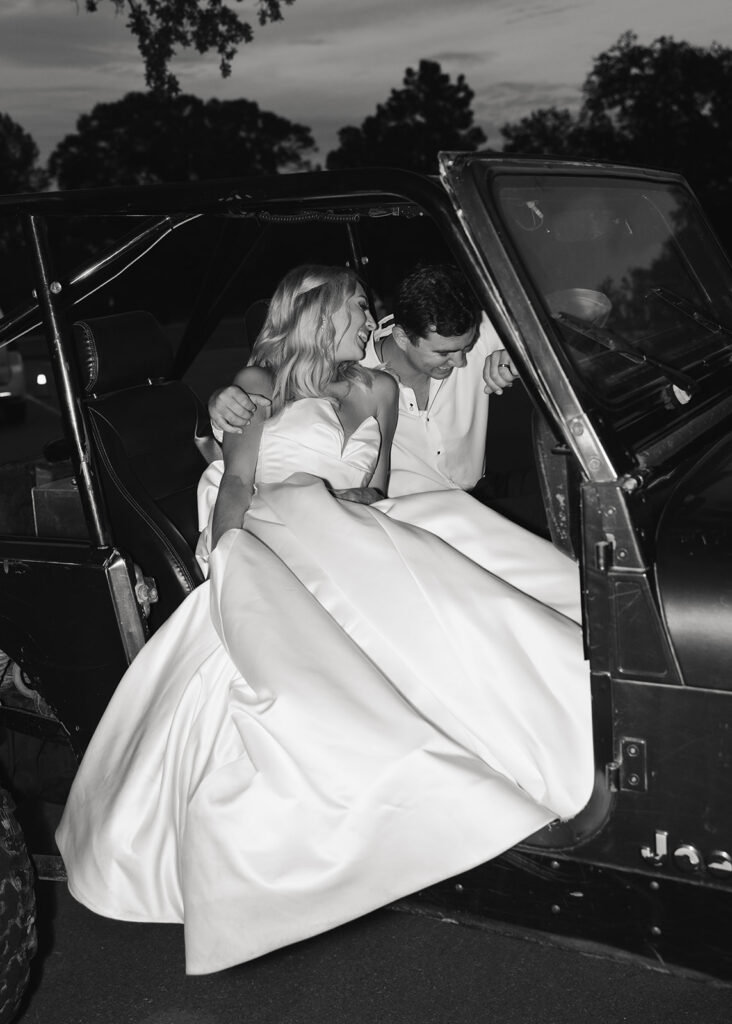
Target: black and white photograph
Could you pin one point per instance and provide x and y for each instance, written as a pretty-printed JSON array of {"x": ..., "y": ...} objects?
[{"x": 365, "y": 512}]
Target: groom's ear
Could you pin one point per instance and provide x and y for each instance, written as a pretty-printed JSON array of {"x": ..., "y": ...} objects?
[{"x": 400, "y": 337}]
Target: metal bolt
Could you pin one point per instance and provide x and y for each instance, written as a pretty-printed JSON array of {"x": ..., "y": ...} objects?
[
  {"x": 594, "y": 464},
  {"x": 633, "y": 779},
  {"x": 55, "y": 287},
  {"x": 622, "y": 554},
  {"x": 610, "y": 510},
  {"x": 577, "y": 426},
  {"x": 631, "y": 750}
]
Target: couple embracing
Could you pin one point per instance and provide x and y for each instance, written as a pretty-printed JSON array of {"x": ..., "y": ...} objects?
[{"x": 380, "y": 684}]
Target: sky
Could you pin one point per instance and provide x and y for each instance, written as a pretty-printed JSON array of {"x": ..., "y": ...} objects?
[{"x": 330, "y": 62}]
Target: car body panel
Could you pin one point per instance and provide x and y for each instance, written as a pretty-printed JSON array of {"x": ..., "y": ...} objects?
[{"x": 633, "y": 454}]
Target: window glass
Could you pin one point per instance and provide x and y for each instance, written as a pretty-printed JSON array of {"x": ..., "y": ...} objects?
[
  {"x": 638, "y": 291},
  {"x": 39, "y": 494}
]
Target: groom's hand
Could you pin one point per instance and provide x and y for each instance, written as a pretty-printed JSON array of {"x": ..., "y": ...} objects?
[
  {"x": 499, "y": 372},
  {"x": 231, "y": 408}
]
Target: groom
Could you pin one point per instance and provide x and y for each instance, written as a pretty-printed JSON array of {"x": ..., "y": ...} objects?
[{"x": 447, "y": 359}]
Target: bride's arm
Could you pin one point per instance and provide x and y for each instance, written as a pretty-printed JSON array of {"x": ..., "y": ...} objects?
[
  {"x": 240, "y": 460},
  {"x": 387, "y": 411},
  {"x": 386, "y": 401}
]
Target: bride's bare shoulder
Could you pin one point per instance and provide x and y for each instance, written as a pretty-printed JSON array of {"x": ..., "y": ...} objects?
[{"x": 385, "y": 387}]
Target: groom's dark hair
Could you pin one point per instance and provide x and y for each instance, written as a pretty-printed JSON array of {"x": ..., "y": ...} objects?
[{"x": 435, "y": 298}]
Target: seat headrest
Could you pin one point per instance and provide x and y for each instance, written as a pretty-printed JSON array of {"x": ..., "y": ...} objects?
[
  {"x": 121, "y": 351},
  {"x": 254, "y": 319}
]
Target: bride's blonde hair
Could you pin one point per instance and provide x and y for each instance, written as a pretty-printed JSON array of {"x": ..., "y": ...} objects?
[{"x": 297, "y": 341}]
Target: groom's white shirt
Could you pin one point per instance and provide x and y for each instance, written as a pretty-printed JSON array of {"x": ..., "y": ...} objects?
[{"x": 443, "y": 446}]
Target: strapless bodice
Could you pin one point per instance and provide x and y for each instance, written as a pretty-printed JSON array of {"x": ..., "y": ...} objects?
[{"x": 307, "y": 437}]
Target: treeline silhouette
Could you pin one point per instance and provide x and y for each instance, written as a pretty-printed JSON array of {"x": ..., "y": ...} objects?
[{"x": 666, "y": 105}]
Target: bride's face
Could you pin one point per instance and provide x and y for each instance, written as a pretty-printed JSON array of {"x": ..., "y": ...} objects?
[{"x": 353, "y": 323}]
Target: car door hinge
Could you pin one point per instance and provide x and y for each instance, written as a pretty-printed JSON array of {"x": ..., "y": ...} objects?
[
  {"x": 629, "y": 773},
  {"x": 633, "y": 772}
]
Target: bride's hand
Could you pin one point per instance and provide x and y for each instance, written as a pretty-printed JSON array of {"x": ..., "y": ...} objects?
[{"x": 362, "y": 495}]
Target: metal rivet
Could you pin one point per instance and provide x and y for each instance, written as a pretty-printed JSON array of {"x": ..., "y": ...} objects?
[
  {"x": 554, "y": 864},
  {"x": 555, "y": 908},
  {"x": 55, "y": 287},
  {"x": 577, "y": 426},
  {"x": 459, "y": 887},
  {"x": 633, "y": 779},
  {"x": 622, "y": 553},
  {"x": 655, "y": 886},
  {"x": 655, "y": 930},
  {"x": 594, "y": 464}
]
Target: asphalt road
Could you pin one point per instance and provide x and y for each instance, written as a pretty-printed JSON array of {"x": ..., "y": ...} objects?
[{"x": 392, "y": 967}]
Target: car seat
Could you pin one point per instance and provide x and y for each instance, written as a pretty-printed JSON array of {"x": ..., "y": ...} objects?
[{"x": 150, "y": 439}]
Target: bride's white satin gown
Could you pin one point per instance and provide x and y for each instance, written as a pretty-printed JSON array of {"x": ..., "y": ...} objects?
[{"x": 360, "y": 701}]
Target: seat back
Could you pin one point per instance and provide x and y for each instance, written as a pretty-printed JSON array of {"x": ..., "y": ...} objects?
[{"x": 148, "y": 435}]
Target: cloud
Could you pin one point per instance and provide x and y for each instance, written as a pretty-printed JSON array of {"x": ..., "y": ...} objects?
[
  {"x": 541, "y": 10},
  {"x": 476, "y": 58},
  {"x": 327, "y": 65}
]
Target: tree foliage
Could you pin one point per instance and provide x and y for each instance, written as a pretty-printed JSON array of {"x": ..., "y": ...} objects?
[
  {"x": 163, "y": 27},
  {"x": 18, "y": 159},
  {"x": 666, "y": 105},
  {"x": 145, "y": 139},
  {"x": 430, "y": 113}
]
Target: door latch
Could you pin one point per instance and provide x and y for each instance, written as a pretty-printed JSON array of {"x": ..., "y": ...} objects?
[
  {"x": 657, "y": 854},
  {"x": 146, "y": 591}
]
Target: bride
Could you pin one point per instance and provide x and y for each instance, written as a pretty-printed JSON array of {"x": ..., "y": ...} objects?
[{"x": 366, "y": 696}]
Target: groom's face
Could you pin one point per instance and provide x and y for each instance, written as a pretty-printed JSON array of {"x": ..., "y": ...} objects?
[{"x": 434, "y": 354}]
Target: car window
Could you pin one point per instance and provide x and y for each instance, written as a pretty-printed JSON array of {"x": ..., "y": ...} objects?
[
  {"x": 39, "y": 494},
  {"x": 391, "y": 245},
  {"x": 637, "y": 291}
]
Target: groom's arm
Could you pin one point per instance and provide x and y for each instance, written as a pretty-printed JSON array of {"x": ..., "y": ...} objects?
[{"x": 499, "y": 370}]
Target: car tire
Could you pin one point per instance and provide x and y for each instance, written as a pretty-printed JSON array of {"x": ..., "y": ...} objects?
[{"x": 17, "y": 911}]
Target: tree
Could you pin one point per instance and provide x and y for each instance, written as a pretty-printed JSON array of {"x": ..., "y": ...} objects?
[
  {"x": 553, "y": 132},
  {"x": 666, "y": 105},
  {"x": 145, "y": 139},
  {"x": 18, "y": 156},
  {"x": 164, "y": 26},
  {"x": 430, "y": 113}
]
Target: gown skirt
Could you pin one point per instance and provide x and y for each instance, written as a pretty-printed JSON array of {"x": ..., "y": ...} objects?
[{"x": 360, "y": 701}]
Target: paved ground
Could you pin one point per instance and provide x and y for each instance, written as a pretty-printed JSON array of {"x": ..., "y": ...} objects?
[{"x": 392, "y": 967}]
